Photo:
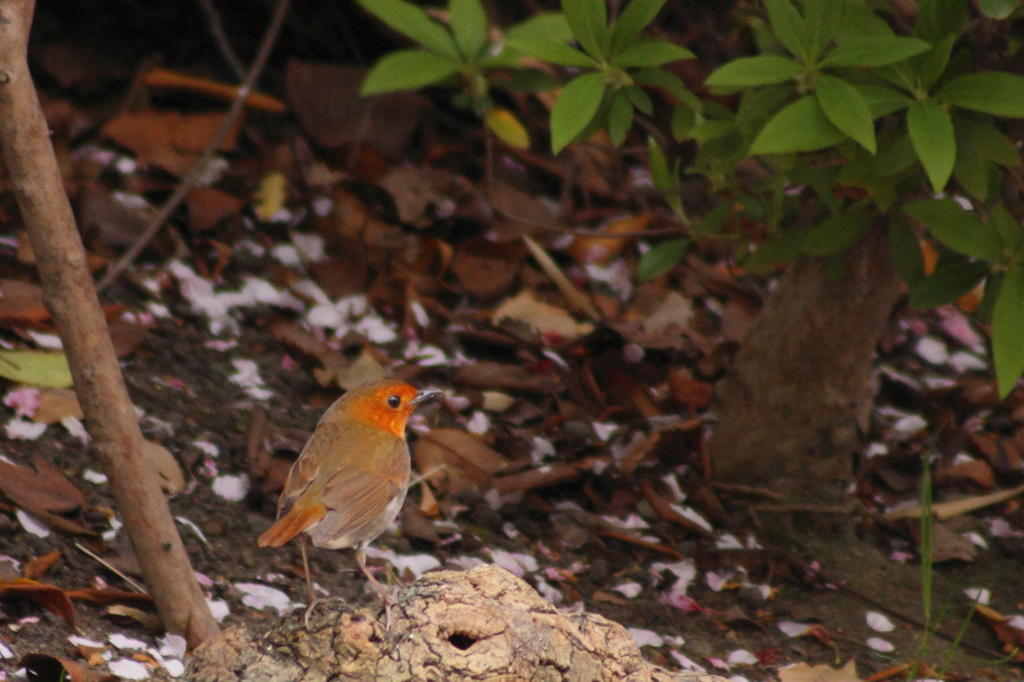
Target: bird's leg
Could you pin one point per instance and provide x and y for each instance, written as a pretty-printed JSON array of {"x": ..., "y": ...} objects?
[
  {"x": 385, "y": 595},
  {"x": 309, "y": 580}
]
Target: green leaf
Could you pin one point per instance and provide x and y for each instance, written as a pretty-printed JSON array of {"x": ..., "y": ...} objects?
[
  {"x": 882, "y": 100},
  {"x": 800, "y": 127},
  {"x": 632, "y": 20},
  {"x": 575, "y": 108},
  {"x": 640, "y": 99},
  {"x": 779, "y": 249},
  {"x": 620, "y": 117},
  {"x": 998, "y": 9},
  {"x": 35, "y": 368},
  {"x": 550, "y": 27},
  {"x": 529, "y": 80},
  {"x": 683, "y": 120},
  {"x": 899, "y": 74},
  {"x": 977, "y": 176},
  {"x": 835, "y": 234},
  {"x": 989, "y": 143},
  {"x": 1008, "y": 331},
  {"x": 654, "y": 53},
  {"x": 905, "y": 251},
  {"x": 411, "y": 21},
  {"x": 661, "y": 258},
  {"x": 407, "y": 70},
  {"x": 670, "y": 83},
  {"x": 937, "y": 19},
  {"x": 860, "y": 22},
  {"x": 712, "y": 222},
  {"x": 896, "y": 158},
  {"x": 874, "y": 51},
  {"x": 468, "y": 21},
  {"x": 822, "y": 18},
  {"x": 947, "y": 284},
  {"x": 931, "y": 132},
  {"x": 992, "y": 92},
  {"x": 712, "y": 129},
  {"x": 747, "y": 71},
  {"x": 788, "y": 27},
  {"x": 931, "y": 65},
  {"x": 555, "y": 53},
  {"x": 1007, "y": 226},
  {"x": 663, "y": 178},
  {"x": 588, "y": 20},
  {"x": 957, "y": 229},
  {"x": 846, "y": 109}
]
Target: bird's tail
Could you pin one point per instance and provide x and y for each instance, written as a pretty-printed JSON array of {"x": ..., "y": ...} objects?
[{"x": 296, "y": 520}]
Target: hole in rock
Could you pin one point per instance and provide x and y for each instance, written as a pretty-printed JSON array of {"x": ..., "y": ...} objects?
[{"x": 461, "y": 641}]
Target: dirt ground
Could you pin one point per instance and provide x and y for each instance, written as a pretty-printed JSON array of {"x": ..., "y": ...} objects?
[{"x": 208, "y": 407}]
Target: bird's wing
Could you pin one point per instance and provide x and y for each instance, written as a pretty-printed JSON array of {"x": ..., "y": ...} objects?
[{"x": 355, "y": 494}]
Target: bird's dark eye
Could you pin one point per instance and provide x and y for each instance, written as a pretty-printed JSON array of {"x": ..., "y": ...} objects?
[{"x": 394, "y": 402}]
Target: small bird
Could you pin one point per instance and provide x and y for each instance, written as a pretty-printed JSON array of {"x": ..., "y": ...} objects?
[{"x": 350, "y": 479}]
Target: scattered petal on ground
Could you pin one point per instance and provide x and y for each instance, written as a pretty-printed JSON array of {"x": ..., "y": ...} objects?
[
  {"x": 793, "y": 629},
  {"x": 879, "y": 644},
  {"x": 231, "y": 488},
  {"x": 629, "y": 590},
  {"x": 742, "y": 656},
  {"x": 128, "y": 669},
  {"x": 31, "y": 524},
  {"x": 879, "y": 623},
  {"x": 259, "y": 596},
  {"x": 645, "y": 637}
]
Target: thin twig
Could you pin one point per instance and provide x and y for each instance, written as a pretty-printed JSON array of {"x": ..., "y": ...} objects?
[
  {"x": 223, "y": 44},
  {"x": 199, "y": 167},
  {"x": 106, "y": 564}
]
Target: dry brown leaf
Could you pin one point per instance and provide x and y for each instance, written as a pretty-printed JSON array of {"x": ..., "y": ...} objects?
[
  {"x": 127, "y": 336},
  {"x": 547, "y": 320},
  {"x": 541, "y": 477},
  {"x": 685, "y": 390},
  {"x": 208, "y": 206},
  {"x": 522, "y": 213},
  {"x": 117, "y": 223},
  {"x": 36, "y": 568},
  {"x": 467, "y": 462},
  {"x": 422, "y": 195},
  {"x": 168, "y": 139},
  {"x": 507, "y": 376},
  {"x": 345, "y": 274},
  {"x": 485, "y": 269},
  {"x": 51, "y": 598},
  {"x": 362, "y": 369},
  {"x": 974, "y": 470},
  {"x": 945, "y": 510},
  {"x": 172, "y": 479},
  {"x": 600, "y": 250},
  {"x": 55, "y": 404},
  {"x": 801, "y": 672},
  {"x": 21, "y": 303},
  {"x": 112, "y": 596},
  {"x": 149, "y": 621},
  {"x": 326, "y": 100},
  {"x": 44, "y": 489},
  {"x": 649, "y": 446}
]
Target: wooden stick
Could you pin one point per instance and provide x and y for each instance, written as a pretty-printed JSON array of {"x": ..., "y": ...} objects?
[{"x": 70, "y": 297}]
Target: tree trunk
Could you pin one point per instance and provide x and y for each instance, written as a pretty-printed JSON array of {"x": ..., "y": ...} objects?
[{"x": 794, "y": 404}]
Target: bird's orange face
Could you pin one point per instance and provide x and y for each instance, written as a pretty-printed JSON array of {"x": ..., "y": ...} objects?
[{"x": 386, "y": 405}]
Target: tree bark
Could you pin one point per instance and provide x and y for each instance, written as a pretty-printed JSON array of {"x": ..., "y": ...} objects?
[
  {"x": 71, "y": 298},
  {"x": 795, "y": 402},
  {"x": 457, "y": 626}
]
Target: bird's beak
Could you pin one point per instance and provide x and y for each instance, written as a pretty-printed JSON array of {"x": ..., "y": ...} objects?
[{"x": 424, "y": 396}]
